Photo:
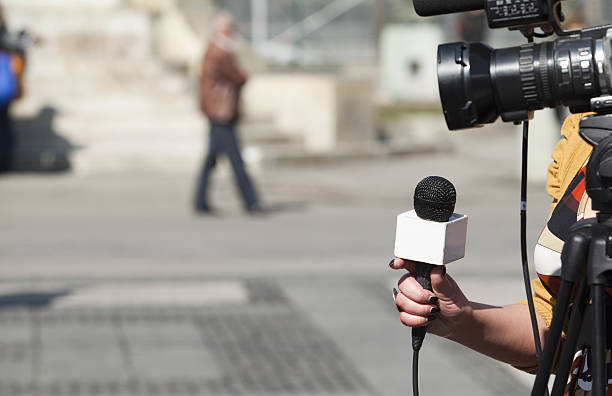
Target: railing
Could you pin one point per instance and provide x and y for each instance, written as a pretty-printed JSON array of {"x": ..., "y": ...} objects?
[{"x": 283, "y": 46}]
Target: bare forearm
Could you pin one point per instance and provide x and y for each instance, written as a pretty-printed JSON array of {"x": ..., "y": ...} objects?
[{"x": 503, "y": 333}]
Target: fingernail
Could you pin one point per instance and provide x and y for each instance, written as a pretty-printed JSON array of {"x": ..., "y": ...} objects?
[
  {"x": 434, "y": 310},
  {"x": 430, "y": 318},
  {"x": 395, "y": 292},
  {"x": 433, "y": 299},
  {"x": 391, "y": 262}
]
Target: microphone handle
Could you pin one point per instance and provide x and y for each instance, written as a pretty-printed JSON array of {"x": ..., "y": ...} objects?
[{"x": 422, "y": 275}]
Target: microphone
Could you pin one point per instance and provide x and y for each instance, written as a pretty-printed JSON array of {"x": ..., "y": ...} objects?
[
  {"x": 441, "y": 7},
  {"x": 431, "y": 234}
]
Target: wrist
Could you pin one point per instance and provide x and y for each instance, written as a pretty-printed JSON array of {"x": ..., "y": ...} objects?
[{"x": 462, "y": 323}]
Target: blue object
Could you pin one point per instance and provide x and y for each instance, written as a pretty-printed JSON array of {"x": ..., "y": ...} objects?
[{"x": 8, "y": 79}]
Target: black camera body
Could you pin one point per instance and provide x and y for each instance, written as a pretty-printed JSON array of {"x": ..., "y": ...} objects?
[
  {"x": 478, "y": 84},
  {"x": 513, "y": 14},
  {"x": 517, "y": 13}
]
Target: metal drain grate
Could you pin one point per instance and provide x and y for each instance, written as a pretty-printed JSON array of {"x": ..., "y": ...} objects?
[
  {"x": 278, "y": 352},
  {"x": 264, "y": 348}
]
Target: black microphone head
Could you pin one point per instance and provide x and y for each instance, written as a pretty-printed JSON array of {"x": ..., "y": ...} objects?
[{"x": 434, "y": 199}]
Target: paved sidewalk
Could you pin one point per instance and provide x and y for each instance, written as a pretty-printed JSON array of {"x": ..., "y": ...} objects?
[
  {"x": 297, "y": 336},
  {"x": 263, "y": 347},
  {"x": 110, "y": 285}
]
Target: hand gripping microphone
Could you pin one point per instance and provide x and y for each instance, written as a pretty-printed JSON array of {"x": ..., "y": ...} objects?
[{"x": 431, "y": 234}]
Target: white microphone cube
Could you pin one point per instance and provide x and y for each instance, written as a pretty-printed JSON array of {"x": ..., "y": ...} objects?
[{"x": 430, "y": 242}]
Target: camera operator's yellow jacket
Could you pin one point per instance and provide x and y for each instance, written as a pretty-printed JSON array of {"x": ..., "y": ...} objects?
[
  {"x": 569, "y": 156},
  {"x": 565, "y": 184}
]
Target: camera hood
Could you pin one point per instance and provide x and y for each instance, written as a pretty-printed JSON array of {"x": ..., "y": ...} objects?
[{"x": 464, "y": 81}]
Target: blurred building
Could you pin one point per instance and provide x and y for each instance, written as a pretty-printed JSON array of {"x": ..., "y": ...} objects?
[
  {"x": 314, "y": 32},
  {"x": 407, "y": 69},
  {"x": 597, "y": 12},
  {"x": 121, "y": 73}
]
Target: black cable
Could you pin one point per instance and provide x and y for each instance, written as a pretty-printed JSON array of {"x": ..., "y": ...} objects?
[
  {"x": 526, "y": 278},
  {"x": 418, "y": 335},
  {"x": 524, "y": 259},
  {"x": 423, "y": 276},
  {"x": 534, "y": 321},
  {"x": 415, "y": 372}
]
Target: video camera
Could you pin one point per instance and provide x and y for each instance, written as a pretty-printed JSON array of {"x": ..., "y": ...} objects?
[{"x": 478, "y": 83}]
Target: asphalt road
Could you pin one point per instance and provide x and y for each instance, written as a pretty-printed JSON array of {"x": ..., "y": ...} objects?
[{"x": 110, "y": 284}]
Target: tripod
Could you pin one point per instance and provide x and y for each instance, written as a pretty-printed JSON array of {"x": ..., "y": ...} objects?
[{"x": 586, "y": 270}]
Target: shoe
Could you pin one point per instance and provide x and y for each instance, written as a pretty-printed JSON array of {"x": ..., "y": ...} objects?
[
  {"x": 256, "y": 210},
  {"x": 204, "y": 210}
]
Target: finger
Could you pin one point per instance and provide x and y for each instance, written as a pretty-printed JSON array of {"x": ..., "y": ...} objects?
[
  {"x": 410, "y": 288},
  {"x": 404, "y": 304},
  {"x": 399, "y": 263},
  {"x": 415, "y": 321}
]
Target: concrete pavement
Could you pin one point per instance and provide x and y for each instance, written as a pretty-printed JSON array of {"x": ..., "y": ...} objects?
[{"x": 111, "y": 285}]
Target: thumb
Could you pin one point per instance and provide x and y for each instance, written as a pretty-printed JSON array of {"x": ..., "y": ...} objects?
[{"x": 441, "y": 283}]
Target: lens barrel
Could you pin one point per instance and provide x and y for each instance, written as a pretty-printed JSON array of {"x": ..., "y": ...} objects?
[
  {"x": 478, "y": 84},
  {"x": 464, "y": 81}
]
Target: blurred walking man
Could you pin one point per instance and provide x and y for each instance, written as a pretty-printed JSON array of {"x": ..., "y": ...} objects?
[{"x": 220, "y": 82}]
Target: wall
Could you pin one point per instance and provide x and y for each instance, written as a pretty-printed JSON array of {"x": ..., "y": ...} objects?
[
  {"x": 408, "y": 62},
  {"x": 322, "y": 109}
]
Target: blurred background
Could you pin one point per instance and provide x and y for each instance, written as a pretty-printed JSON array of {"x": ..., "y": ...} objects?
[{"x": 110, "y": 283}]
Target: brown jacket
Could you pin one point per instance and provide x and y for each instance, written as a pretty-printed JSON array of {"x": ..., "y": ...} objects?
[{"x": 220, "y": 81}]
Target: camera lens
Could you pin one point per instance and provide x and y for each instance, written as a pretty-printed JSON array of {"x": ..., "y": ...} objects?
[
  {"x": 464, "y": 80},
  {"x": 478, "y": 84}
]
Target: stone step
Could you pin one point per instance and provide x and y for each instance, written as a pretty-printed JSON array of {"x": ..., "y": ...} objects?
[
  {"x": 264, "y": 133},
  {"x": 297, "y": 155},
  {"x": 116, "y": 107}
]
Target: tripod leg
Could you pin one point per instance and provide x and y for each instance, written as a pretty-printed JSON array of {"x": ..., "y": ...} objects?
[
  {"x": 552, "y": 340},
  {"x": 600, "y": 374},
  {"x": 571, "y": 340}
]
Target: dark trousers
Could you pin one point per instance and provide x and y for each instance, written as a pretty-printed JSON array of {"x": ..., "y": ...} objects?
[
  {"x": 7, "y": 141},
  {"x": 223, "y": 140}
]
